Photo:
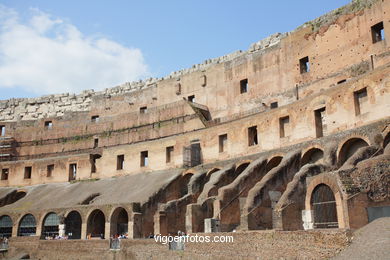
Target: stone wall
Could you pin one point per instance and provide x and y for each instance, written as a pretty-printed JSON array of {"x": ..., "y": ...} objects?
[{"x": 246, "y": 245}]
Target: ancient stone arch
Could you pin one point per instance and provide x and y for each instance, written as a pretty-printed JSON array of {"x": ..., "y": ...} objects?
[
  {"x": 340, "y": 203},
  {"x": 312, "y": 155},
  {"x": 27, "y": 225},
  {"x": 73, "y": 223},
  {"x": 6, "y": 225},
  {"x": 49, "y": 225},
  {"x": 349, "y": 147},
  {"x": 119, "y": 220},
  {"x": 208, "y": 174},
  {"x": 96, "y": 221},
  {"x": 273, "y": 162}
]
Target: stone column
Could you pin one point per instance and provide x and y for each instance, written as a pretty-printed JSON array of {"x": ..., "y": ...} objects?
[
  {"x": 134, "y": 226},
  {"x": 211, "y": 225},
  {"x": 308, "y": 219},
  {"x": 194, "y": 220},
  {"x": 276, "y": 217},
  {"x": 160, "y": 223},
  {"x": 15, "y": 230},
  {"x": 83, "y": 230},
  {"x": 107, "y": 230}
]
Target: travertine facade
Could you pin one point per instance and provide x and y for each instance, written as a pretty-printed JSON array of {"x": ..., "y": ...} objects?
[{"x": 258, "y": 139}]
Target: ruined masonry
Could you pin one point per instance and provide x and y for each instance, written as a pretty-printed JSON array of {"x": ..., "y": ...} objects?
[{"x": 291, "y": 135}]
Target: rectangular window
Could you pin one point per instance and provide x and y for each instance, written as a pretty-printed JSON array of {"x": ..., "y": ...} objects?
[
  {"x": 319, "y": 117},
  {"x": 377, "y": 32},
  {"x": 252, "y": 136},
  {"x": 72, "y": 171},
  {"x": 191, "y": 98},
  {"x": 120, "y": 162},
  {"x": 94, "y": 119},
  {"x": 143, "y": 110},
  {"x": 144, "y": 159},
  {"x": 96, "y": 143},
  {"x": 169, "y": 154},
  {"x": 222, "y": 143},
  {"x": 2, "y": 130},
  {"x": 274, "y": 105},
  {"x": 244, "y": 86},
  {"x": 361, "y": 101},
  {"x": 284, "y": 123},
  {"x": 4, "y": 174},
  {"x": 27, "y": 172},
  {"x": 48, "y": 125},
  {"x": 304, "y": 65},
  {"x": 50, "y": 169}
]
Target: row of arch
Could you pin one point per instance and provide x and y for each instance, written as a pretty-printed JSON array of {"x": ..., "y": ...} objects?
[{"x": 70, "y": 226}]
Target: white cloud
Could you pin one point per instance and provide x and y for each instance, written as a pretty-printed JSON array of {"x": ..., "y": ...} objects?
[{"x": 48, "y": 55}]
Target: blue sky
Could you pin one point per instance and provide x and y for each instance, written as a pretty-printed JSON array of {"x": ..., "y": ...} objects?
[{"x": 51, "y": 47}]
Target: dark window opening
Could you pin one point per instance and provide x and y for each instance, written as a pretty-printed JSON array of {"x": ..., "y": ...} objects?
[
  {"x": 222, "y": 143},
  {"x": 143, "y": 110},
  {"x": 144, "y": 159},
  {"x": 4, "y": 174},
  {"x": 27, "y": 172},
  {"x": 72, "y": 171},
  {"x": 94, "y": 119},
  {"x": 2, "y": 130},
  {"x": 274, "y": 105},
  {"x": 192, "y": 155},
  {"x": 48, "y": 125},
  {"x": 120, "y": 162},
  {"x": 169, "y": 154},
  {"x": 191, "y": 98},
  {"x": 50, "y": 169},
  {"x": 304, "y": 65},
  {"x": 360, "y": 100},
  {"x": 89, "y": 199},
  {"x": 93, "y": 158},
  {"x": 283, "y": 124},
  {"x": 96, "y": 143},
  {"x": 203, "y": 79},
  {"x": 319, "y": 116},
  {"x": 252, "y": 136},
  {"x": 341, "y": 81},
  {"x": 178, "y": 89},
  {"x": 244, "y": 86},
  {"x": 377, "y": 32}
]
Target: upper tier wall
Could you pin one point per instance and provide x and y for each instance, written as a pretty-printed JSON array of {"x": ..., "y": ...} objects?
[{"x": 332, "y": 42}]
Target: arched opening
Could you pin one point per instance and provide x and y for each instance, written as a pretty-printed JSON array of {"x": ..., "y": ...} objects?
[
  {"x": 5, "y": 226},
  {"x": 12, "y": 197},
  {"x": 96, "y": 224},
  {"x": 241, "y": 168},
  {"x": 27, "y": 226},
  {"x": 312, "y": 156},
  {"x": 323, "y": 204},
  {"x": 386, "y": 141},
  {"x": 50, "y": 225},
  {"x": 209, "y": 173},
  {"x": 119, "y": 222},
  {"x": 349, "y": 148},
  {"x": 273, "y": 163},
  {"x": 73, "y": 225}
]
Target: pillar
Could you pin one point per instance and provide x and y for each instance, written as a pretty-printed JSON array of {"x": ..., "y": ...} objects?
[{"x": 83, "y": 230}]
